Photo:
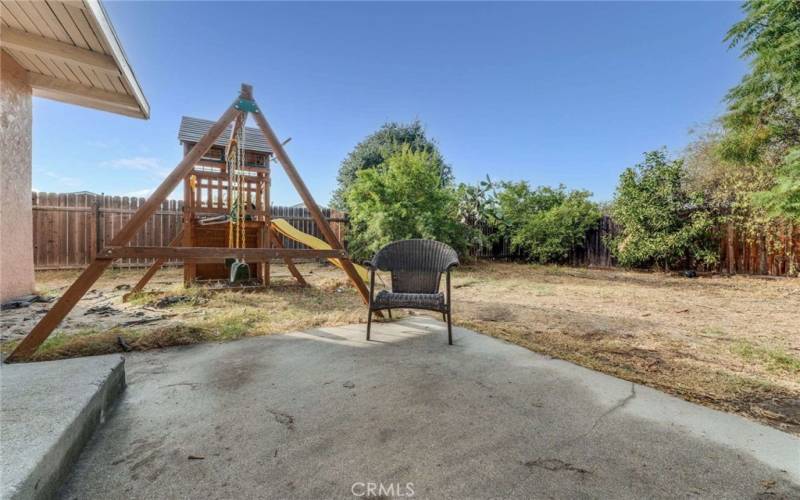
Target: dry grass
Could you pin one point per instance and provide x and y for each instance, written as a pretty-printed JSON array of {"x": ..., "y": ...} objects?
[
  {"x": 729, "y": 343},
  {"x": 201, "y": 315}
]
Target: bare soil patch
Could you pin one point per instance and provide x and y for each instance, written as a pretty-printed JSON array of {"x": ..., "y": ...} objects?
[{"x": 732, "y": 343}]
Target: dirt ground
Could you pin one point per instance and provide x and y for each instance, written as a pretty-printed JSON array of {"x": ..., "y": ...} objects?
[{"x": 729, "y": 343}]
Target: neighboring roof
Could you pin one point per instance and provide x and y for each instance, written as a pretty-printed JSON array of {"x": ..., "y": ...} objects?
[
  {"x": 192, "y": 129},
  {"x": 72, "y": 54},
  {"x": 303, "y": 205}
]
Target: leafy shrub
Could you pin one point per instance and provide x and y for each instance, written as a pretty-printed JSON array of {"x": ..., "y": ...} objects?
[
  {"x": 546, "y": 223},
  {"x": 477, "y": 206},
  {"x": 376, "y": 148},
  {"x": 661, "y": 223},
  {"x": 550, "y": 235},
  {"x": 403, "y": 198}
]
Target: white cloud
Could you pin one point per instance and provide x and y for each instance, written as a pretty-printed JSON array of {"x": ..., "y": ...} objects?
[
  {"x": 147, "y": 164},
  {"x": 70, "y": 182},
  {"x": 140, "y": 193}
]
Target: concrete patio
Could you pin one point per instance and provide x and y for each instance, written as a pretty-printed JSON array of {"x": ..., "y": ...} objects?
[{"x": 325, "y": 413}]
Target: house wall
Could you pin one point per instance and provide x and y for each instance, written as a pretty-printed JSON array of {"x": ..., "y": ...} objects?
[{"x": 16, "y": 221}]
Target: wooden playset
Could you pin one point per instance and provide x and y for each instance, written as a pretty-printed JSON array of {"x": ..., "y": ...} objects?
[{"x": 227, "y": 233}]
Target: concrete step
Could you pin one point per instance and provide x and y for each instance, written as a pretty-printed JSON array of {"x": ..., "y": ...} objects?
[{"x": 48, "y": 412}]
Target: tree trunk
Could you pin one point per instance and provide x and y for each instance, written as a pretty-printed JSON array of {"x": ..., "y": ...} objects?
[
  {"x": 762, "y": 252},
  {"x": 792, "y": 269},
  {"x": 731, "y": 250}
]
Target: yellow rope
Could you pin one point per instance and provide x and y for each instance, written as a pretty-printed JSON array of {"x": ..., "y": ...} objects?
[{"x": 235, "y": 160}]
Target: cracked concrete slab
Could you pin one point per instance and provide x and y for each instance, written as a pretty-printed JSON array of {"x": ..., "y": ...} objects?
[{"x": 325, "y": 414}]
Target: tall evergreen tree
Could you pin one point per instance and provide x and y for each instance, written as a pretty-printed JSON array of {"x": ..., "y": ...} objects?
[{"x": 376, "y": 148}]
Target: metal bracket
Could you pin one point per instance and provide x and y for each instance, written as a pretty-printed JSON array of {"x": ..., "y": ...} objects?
[{"x": 247, "y": 105}]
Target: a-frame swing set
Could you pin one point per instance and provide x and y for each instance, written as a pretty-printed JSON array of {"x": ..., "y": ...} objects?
[{"x": 239, "y": 253}]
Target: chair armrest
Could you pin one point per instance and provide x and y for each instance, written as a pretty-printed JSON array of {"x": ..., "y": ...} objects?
[
  {"x": 451, "y": 266},
  {"x": 367, "y": 264}
]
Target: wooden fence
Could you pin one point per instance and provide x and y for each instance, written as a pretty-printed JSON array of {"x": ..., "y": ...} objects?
[
  {"x": 68, "y": 229},
  {"x": 594, "y": 254},
  {"x": 774, "y": 251}
]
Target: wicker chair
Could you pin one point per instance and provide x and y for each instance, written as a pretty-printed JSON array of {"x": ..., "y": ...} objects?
[{"x": 416, "y": 267}]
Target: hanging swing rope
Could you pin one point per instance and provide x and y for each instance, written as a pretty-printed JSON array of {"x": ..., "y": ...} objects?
[
  {"x": 235, "y": 160},
  {"x": 236, "y": 214}
]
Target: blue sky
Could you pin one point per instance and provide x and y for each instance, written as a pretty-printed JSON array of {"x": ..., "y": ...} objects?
[{"x": 547, "y": 92}]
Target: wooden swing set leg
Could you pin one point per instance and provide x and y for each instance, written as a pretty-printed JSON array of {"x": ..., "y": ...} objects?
[
  {"x": 152, "y": 270},
  {"x": 64, "y": 305},
  {"x": 60, "y": 309},
  {"x": 288, "y": 261},
  {"x": 311, "y": 205}
]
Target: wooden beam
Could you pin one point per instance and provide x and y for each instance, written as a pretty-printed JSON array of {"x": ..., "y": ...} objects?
[
  {"x": 81, "y": 95},
  {"x": 288, "y": 261},
  {"x": 64, "y": 305},
  {"x": 152, "y": 270},
  {"x": 60, "y": 309},
  {"x": 219, "y": 253},
  {"x": 311, "y": 205},
  {"x": 46, "y": 47}
]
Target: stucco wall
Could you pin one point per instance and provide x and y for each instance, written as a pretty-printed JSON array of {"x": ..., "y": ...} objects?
[{"x": 16, "y": 221}]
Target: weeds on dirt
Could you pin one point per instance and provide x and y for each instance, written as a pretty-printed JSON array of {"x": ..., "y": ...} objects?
[{"x": 775, "y": 359}]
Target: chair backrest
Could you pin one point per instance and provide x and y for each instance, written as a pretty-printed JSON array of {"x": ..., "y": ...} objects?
[{"x": 416, "y": 265}]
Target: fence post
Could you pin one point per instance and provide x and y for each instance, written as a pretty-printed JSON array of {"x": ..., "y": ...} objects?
[{"x": 94, "y": 231}]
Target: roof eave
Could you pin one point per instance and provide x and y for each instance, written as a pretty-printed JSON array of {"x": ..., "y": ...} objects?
[{"x": 118, "y": 54}]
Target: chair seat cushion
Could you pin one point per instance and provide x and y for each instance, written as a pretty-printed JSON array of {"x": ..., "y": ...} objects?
[{"x": 385, "y": 299}]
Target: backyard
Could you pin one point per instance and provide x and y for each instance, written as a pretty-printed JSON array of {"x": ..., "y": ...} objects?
[{"x": 730, "y": 343}]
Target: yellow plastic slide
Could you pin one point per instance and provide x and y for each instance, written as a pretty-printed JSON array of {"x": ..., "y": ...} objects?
[{"x": 283, "y": 227}]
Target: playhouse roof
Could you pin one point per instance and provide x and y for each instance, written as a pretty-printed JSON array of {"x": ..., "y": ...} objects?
[
  {"x": 72, "y": 54},
  {"x": 192, "y": 129}
]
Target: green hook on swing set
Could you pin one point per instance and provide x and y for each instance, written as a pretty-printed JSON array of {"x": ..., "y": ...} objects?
[{"x": 247, "y": 105}]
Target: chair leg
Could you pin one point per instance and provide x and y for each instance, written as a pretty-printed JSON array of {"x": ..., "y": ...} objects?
[
  {"x": 444, "y": 317},
  {"x": 390, "y": 313},
  {"x": 369, "y": 322},
  {"x": 449, "y": 327}
]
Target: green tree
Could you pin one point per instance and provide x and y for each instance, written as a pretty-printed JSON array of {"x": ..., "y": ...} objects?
[
  {"x": 403, "y": 198},
  {"x": 477, "y": 209},
  {"x": 378, "y": 147},
  {"x": 727, "y": 188},
  {"x": 762, "y": 124},
  {"x": 517, "y": 202},
  {"x": 550, "y": 235},
  {"x": 662, "y": 224},
  {"x": 783, "y": 199},
  {"x": 545, "y": 223}
]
